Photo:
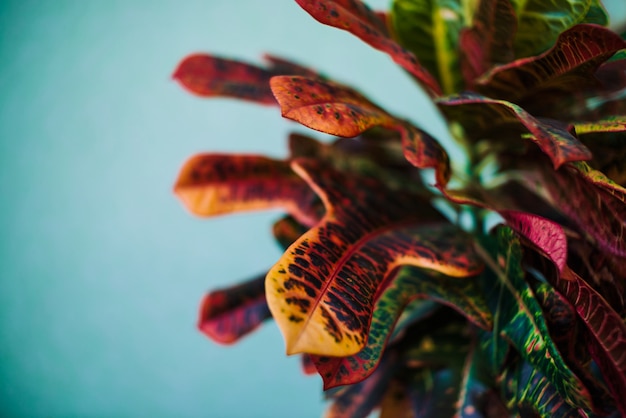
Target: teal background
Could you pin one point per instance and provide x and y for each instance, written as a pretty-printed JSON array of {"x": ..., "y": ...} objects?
[{"x": 102, "y": 269}]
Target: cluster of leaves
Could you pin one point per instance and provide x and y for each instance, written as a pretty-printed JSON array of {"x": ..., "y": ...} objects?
[{"x": 395, "y": 305}]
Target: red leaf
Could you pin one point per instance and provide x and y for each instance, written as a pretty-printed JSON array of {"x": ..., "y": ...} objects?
[
  {"x": 339, "y": 110},
  {"x": 355, "y": 17},
  {"x": 308, "y": 367},
  {"x": 567, "y": 67},
  {"x": 209, "y": 76},
  {"x": 228, "y": 314},
  {"x": 216, "y": 184}
]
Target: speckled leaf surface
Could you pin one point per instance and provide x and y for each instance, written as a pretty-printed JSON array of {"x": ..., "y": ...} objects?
[
  {"x": 608, "y": 346},
  {"x": 540, "y": 22},
  {"x": 210, "y": 76},
  {"x": 228, "y": 314},
  {"x": 430, "y": 29},
  {"x": 355, "y": 17},
  {"x": 611, "y": 124},
  {"x": 497, "y": 120},
  {"x": 518, "y": 317},
  {"x": 567, "y": 67},
  {"x": 323, "y": 289},
  {"x": 339, "y": 110},
  {"x": 463, "y": 295},
  {"x": 489, "y": 41},
  {"x": 217, "y": 184},
  {"x": 595, "y": 203}
]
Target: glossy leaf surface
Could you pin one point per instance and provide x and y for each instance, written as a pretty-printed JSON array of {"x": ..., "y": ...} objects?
[
  {"x": 355, "y": 17},
  {"x": 339, "y": 110},
  {"x": 430, "y": 29},
  {"x": 483, "y": 117},
  {"x": 566, "y": 68},
  {"x": 217, "y": 184},
  {"x": 211, "y": 76},
  {"x": 518, "y": 317},
  {"x": 323, "y": 289},
  {"x": 228, "y": 314},
  {"x": 410, "y": 283}
]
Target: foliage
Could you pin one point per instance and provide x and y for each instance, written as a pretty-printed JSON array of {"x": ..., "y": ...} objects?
[{"x": 398, "y": 307}]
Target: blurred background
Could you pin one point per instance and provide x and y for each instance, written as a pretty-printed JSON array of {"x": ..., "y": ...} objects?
[{"x": 101, "y": 268}]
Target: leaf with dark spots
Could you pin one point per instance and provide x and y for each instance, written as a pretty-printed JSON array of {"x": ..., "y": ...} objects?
[
  {"x": 611, "y": 124},
  {"x": 228, "y": 314},
  {"x": 608, "y": 345},
  {"x": 217, "y": 184},
  {"x": 308, "y": 367},
  {"x": 360, "y": 399},
  {"x": 489, "y": 41},
  {"x": 566, "y": 68},
  {"x": 355, "y": 17},
  {"x": 407, "y": 285},
  {"x": 210, "y": 76},
  {"x": 498, "y": 120},
  {"x": 593, "y": 202},
  {"x": 287, "y": 231},
  {"x": 518, "y": 317},
  {"x": 367, "y": 232},
  {"x": 339, "y": 110}
]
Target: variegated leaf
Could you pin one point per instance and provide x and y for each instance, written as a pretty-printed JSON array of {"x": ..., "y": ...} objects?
[
  {"x": 408, "y": 284},
  {"x": 228, "y": 314},
  {"x": 355, "y": 17},
  {"x": 217, "y": 184},
  {"x": 323, "y": 289},
  {"x": 211, "y": 76},
  {"x": 568, "y": 67},
  {"x": 430, "y": 29},
  {"x": 339, "y": 110}
]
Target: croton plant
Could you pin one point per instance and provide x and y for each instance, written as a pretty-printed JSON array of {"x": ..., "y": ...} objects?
[{"x": 394, "y": 284}]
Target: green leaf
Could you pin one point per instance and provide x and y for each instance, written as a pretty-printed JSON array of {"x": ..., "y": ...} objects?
[
  {"x": 217, "y": 184},
  {"x": 489, "y": 41},
  {"x": 596, "y": 14},
  {"x": 340, "y": 110},
  {"x": 499, "y": 120},
  {"x": 355, "y": 17},
  {"x": 610, "y": 124},
  {"x": 567, "y": 68},
  {"x": 211, "y": 76},
  {"x": 410, "y": 283},
  {"x": 430, "y": 29},
  {"x": 541, "y": 22},
  {"x": 323, "y": 289},
  {"x": 433, "y": 392},
  {"x": 518, "y": 317},
  {"x": 229, "y": 314}
]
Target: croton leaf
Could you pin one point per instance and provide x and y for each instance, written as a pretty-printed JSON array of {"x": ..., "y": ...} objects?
[
  {"x": 308, "y": 367},
  {"x": 566, "y": 68},
  {"x": 490, "y": 39},
  {"x": 287, "y": 230},
  {"x": 209, "y": 76},
  {"x": 355, "y": 17},
  {"x": 433, "y": 392},
  {"x": 322, "y": 291},
  {"x": 518, "y": 317},
  {"x": 430, "y": 29},
  {"x": 228, "y": 314},
  {"x": 497, "y": 119},
  {"x": 596, "y": 14},
  {"x": 408, "y": 284},
  {"x": 339, "y": 110},
  {"x": 358, "y": 400},
  {"x": 611, "y": 124},
  {"x": 595, "y": 203},
  {"x": 216, "y": 184},
  {"x": 608, "y": 347},
  {"x": 540, "y": 22}
]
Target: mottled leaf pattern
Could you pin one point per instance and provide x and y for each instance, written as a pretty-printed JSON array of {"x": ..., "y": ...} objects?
[
  {"x": 430, "y": 29},
  {"x": 568, "y": 67},
  {"x": 339, "y": 110},
  {"x": 211, "y": 76},
  {"x": 410, "y": 283},
  {"x": 228, "y": 314},
  {"x": 611, "y": 124},
  {"x": 323, "y": 289},
  {"x": 518, "y": 317},
  {"x": 355, "y": 17},
  {"x": 483, "y": 117},
  {"x": 217, "y": 184}
]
